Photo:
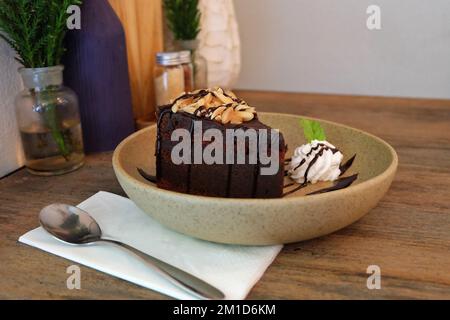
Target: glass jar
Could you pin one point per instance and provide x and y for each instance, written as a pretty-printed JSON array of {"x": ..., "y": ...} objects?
[
  {"x": 168, "y": 77},
  {"x": 199, "y": 62},
  {"x": 49, "y": 122},
  {"x": 188, "y": 68}
]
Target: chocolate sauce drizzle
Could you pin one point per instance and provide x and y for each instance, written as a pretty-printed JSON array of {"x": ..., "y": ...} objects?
[
  {"x": 147, "y": 176},
  {"x": 256, "y": 173},
  {"x": 230, "y": 168},
  {"x": 341, "y": 183},
  {"x": 289, "y": 185},
  {"x": 319, "y": 145},
  {"x": 347, "y": 165},
  {"x": 198, "y": 95},
  {"x": 191, "y": 130},
  {"x": 158, "y": 141},
  {"x": 202, "y": 110},
  {"x": 293, "y": 190}
]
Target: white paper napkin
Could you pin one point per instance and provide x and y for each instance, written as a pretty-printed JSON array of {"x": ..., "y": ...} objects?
[{"x": 232, "y": 269}]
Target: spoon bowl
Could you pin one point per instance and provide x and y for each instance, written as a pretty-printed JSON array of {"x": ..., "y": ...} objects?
[{"x": 70, "y": 224}]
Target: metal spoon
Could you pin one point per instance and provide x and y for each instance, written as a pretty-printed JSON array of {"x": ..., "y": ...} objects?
[{"x": 75, "y": 226}]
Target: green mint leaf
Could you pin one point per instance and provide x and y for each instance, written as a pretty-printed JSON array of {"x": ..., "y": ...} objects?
[
  {"x": 312, "y": 130},
  {"x": 307, "y": 129},
  {"x": 319, "y": 133}
]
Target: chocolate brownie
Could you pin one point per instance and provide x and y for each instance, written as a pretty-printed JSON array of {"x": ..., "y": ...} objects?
[{"x": 200, "y": 111}]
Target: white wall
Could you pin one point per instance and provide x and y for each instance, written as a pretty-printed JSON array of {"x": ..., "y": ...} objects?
[
  {"x": 325, "y": 46},
  {"x": 11, "y": 156}
]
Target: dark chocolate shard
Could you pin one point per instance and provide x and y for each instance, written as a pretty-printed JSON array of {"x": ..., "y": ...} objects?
[
  {"x": 341, "y": 183},
  {"x": 146, "y": 176},
  {"x": 294, "y": 190},
  {"x": 289, "y": 185},
  {"x": 347, "y": 165}
]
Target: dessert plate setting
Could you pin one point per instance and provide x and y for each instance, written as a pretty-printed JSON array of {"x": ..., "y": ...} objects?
[{"x": 330, "y": 175}]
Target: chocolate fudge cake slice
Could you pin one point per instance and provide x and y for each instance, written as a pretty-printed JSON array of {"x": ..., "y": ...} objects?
[{"x": 195, "y": 114}]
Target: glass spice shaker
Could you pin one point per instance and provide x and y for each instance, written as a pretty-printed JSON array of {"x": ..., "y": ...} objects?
[
  {"x": 199, "y": 62},
  {"x": 188, "y": 68},
  {"x": 168, "y": 77}
]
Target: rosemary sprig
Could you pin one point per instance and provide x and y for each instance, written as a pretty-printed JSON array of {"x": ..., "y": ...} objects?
[
  {"x": 183, "y": 18},
  {"x": 35, "y": 29}
]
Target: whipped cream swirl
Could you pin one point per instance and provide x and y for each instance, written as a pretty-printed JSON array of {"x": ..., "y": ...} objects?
[{"x": 315, "y": 161}]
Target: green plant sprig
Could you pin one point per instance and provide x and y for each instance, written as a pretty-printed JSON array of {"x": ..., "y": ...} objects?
[
  {"x": 312, "y": 130},
  {"x": 183, "y": 18},
  {"x": 35, "y": 29}
]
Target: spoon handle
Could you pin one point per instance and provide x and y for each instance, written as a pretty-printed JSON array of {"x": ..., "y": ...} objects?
[{"x": 178, "y": 277}]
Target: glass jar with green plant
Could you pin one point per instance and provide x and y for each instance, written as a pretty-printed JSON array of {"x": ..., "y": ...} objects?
[
  {"x": 47, "y": 112},
  {"x": 183, "y": 19}
]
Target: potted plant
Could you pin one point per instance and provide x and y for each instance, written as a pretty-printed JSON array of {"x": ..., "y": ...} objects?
[
  {"x": 183, "y": 19},
  {"x": 47, "y": 112}
]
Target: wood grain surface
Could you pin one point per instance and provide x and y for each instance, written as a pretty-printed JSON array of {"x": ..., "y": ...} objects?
[{"x": 407, "y": 235}]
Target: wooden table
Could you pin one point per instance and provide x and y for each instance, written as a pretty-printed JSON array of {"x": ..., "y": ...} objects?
[{"x": 407, "y": 235}]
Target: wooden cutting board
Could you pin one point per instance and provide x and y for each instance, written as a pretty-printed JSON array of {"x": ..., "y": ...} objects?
[{"x": 142, "y": 21}]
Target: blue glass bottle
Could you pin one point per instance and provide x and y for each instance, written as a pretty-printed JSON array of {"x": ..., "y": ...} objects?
[{"x": 97, "y": 70}]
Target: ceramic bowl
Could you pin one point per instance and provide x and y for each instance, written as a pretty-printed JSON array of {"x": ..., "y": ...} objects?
[{"x": 263, "y": 221}]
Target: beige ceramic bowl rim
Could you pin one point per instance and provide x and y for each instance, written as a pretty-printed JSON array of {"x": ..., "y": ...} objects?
[{"x": 242, "y": 201}]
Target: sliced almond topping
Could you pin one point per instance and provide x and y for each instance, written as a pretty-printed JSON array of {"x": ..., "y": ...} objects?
[
  {"x": 241, "y": 107},
  {"x": 190, "y": 109},
  {"x": 217, "y": 112},
  {"x": 231, "y": 94},
  {"x": 246, "y": 116},
  {"x": 227, "y": 107},
  {"x": 199, "y": 103},
  {"x": 215, "y": 102},
  {"x": 226, "y": 115},
  {"x": 208, "y": 98},
  {"x": 225, "y": 100}
]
